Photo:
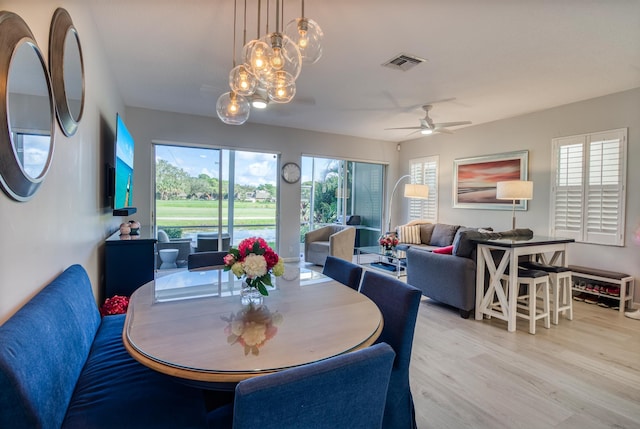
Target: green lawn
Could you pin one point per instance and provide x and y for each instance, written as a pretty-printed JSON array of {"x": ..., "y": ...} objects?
[{"x": 202, "y": 212}]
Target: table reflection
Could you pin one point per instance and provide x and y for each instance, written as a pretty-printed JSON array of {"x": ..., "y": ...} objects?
[{"x": 252, "y": 327}]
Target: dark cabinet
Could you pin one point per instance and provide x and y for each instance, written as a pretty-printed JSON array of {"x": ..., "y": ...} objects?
[{"x": 129, "y": 262}]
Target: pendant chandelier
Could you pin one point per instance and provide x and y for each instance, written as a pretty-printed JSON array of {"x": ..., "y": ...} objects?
[{"x": 270, "y": 64}]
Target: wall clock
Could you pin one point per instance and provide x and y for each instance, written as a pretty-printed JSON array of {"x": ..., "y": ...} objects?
[{"x": 291, "y": 172}]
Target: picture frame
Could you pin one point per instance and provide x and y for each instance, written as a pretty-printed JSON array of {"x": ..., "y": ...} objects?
[{"x": 475, "y": 178}]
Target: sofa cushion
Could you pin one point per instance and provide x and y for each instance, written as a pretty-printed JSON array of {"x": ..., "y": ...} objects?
[
  {"x": 43, "y": 348},
  {"x": 115, "y": 391},
  {"x": 443, "y": 234},
  {"x": 447, "y": 250},
  {"x": 409, "y": 234},
  {"x": 426, "y": 230},
  {"x": 463, "y": 244},
  {"x": 319, "y": 246}
]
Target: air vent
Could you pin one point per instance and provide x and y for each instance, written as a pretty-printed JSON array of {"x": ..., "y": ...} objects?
[{"x": 403, "y": 62}]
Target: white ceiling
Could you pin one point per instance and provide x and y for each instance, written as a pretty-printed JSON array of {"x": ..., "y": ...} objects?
[{"x": 498, "y": 58}]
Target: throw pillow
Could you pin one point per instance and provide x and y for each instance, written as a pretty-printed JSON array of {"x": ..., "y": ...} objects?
[
  {"x": 426, "y": 230},
  {"x": 409, "y": 234},
  {"x": 447, "y": 250},
  {"x": 463, "y": 244},
  {"x": 443, "y": 234}
]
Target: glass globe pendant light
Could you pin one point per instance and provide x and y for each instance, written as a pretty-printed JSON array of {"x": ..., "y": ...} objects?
[
  {"x": 241, "y": 81},
  {"x": 284, "y": 54},
  {"x": 281, "y": 88},
  {"x": 307, "y": 34},
  {"x": 233, "y": 109}
]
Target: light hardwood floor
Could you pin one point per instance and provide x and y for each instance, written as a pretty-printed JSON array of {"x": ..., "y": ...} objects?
[
  {"x": 579, "y": 374},
  {"x": 583, "y": 373}
]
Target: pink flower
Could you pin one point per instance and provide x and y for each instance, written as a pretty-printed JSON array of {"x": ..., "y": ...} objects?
[{"x": 229, "y": 259}]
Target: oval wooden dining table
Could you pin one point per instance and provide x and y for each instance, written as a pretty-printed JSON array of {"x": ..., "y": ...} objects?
[{"x": 192, "y": 325}]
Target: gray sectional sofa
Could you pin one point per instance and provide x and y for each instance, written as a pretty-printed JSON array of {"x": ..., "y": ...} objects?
[{"x": 449, "y": 278}]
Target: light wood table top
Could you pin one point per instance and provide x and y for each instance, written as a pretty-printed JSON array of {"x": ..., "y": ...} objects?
[{"x": 191, "y": 325}]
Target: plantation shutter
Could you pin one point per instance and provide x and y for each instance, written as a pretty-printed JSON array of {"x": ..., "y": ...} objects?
[
  {"x": 587, "y": 197},
  {"x": 567, "y": 192},
  {"x": 424, "y": 171},
  {"x": 605, "y": 206}
]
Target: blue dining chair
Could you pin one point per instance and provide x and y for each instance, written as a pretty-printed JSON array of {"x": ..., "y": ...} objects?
[
  {"x": 399, "y": 303},
  {"x": 205, "y": 259},
  {"x": 346, "y": 391},
  {"x": 343, "y": 271}
]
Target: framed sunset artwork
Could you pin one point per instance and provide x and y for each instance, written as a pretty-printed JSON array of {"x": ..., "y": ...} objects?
[{"x": 474, "y": 180}]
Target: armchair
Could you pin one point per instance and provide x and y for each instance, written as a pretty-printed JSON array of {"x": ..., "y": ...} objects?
[{"x": 334, "y": 240}]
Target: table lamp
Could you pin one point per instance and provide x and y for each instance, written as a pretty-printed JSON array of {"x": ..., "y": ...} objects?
[
  {"x": 514, "y": 190},
  {"x": 411, "y": 190}
]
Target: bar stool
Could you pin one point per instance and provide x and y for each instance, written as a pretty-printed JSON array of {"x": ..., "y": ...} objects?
[
  {"x": 561, "y": 294},
  {"x": 527, "y": 300}
]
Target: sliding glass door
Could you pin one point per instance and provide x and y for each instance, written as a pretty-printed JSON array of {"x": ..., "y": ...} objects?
[
  {"x": 215, "y": 197},
  {"x": 344, "y": 192}
]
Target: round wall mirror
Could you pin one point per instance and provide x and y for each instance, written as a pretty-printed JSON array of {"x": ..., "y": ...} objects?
[
  {"x": 67, "y": 71},
  {"x": 27, "y": 111}
]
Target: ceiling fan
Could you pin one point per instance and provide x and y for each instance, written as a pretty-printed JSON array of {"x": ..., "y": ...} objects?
[{"x": 427, "y": 126}]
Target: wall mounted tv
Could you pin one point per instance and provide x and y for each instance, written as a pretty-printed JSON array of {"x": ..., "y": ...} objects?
[{"x": 123, "y": 180}]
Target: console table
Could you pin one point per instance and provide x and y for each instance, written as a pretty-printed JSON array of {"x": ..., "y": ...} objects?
[
  {"x": 129, "y": 262},
  {"x": 513, "y": 249}
]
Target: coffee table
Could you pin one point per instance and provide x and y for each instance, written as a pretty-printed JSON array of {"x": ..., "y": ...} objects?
[{"x": 389, "y": 261}]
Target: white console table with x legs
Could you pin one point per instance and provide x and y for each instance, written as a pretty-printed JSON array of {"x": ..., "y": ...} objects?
[{"x": 546, "y": 249}]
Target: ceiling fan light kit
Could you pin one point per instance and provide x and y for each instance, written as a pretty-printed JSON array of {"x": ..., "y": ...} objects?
[
  {"x": 427, "y": 126},
  {"x": 270, "y": 65}
]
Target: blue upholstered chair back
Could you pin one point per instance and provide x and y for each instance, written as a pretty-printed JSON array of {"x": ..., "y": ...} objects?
[
  {"x": 347, "y": 391},
  {"x": 399, "y": 303},
  {"x": 205, "y": 259},
  {"x": 50, "y": 337},
  {"x": 343, "y": 271}
]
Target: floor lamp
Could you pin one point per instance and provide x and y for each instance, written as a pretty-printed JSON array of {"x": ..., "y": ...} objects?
[
  {"x": 410, "y": 191},
  {"x": 514, "y": 190}
]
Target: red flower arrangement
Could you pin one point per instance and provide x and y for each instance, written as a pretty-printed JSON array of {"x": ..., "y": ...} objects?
[
  {"x": 114, "y": 305},
  {"x": 388, "y": 241},
  {"x": 255, "y": 260}
]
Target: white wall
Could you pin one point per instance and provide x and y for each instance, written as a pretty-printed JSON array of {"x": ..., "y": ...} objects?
[
  {"x": 534, "y": 132},
  {"x": 65, "y": 222},
  {"x": 147, "y": 126}
]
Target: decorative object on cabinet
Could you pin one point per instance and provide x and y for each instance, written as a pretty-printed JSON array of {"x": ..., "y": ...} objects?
[{"x": 27, "y": 110}]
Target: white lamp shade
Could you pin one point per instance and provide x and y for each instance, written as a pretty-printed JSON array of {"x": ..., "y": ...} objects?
[
  {"x": 514, "y": 190},
  {"x": 416, "y": 191}
]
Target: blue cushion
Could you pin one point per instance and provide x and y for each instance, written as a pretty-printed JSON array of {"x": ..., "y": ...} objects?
[
  {"x": 44, "y": 347},
  {"x": 115, "y": 391}
]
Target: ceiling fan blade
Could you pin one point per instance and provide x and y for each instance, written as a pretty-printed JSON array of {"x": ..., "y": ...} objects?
[
  {"x": 404, "y": 128},
  {"x": 442, "y": 130},
  {"x": 451, "y": 124}
]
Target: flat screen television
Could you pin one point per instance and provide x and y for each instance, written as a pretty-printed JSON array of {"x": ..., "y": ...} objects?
[{"x": 124, "y": 175}]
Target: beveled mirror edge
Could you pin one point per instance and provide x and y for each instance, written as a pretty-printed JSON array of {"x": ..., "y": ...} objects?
[
  {"x": 61, "y": 23},
  {"x": 13, "y": 179}
]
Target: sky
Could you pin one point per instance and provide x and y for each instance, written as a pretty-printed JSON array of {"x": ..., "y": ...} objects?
[{"x": 252, "y": 168}]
